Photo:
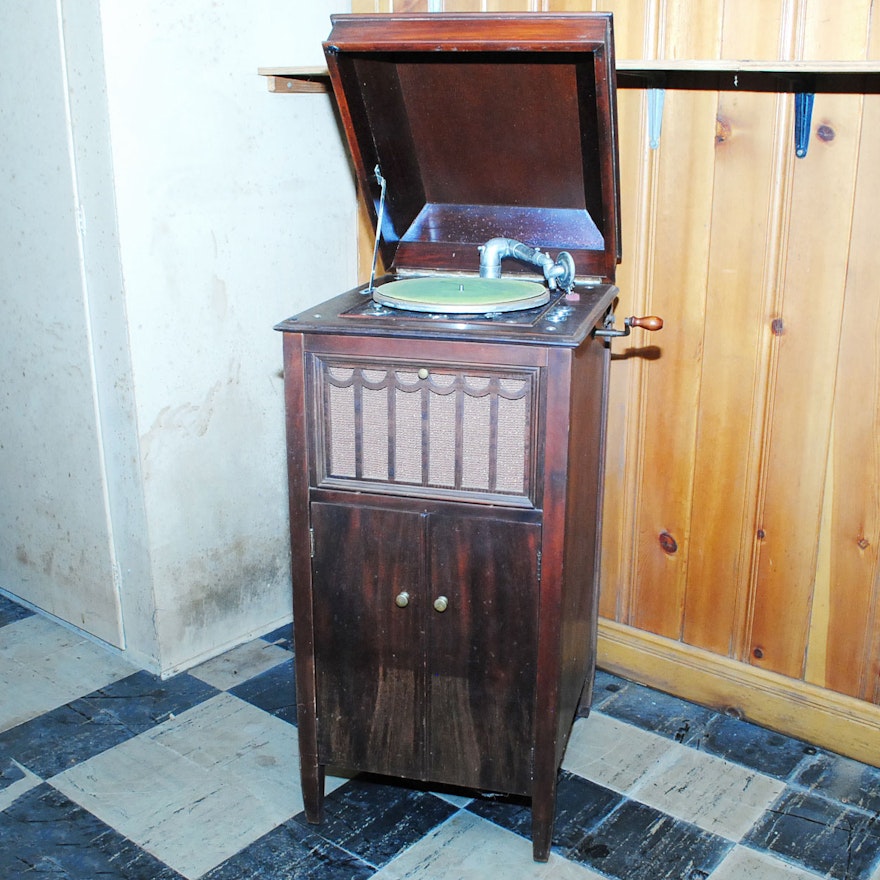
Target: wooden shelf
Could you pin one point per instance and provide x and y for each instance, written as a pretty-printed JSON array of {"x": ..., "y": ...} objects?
[
  {"x": 640, "y": 65},
  {"x": 296, "y": 79},
  {"x": 844, "y": 76},
  {"x": 751, "y": 75}
]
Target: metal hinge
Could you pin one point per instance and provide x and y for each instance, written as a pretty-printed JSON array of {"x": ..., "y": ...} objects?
[
  {"x": 538, "y": 573},
  {"x": 312, "y": 543}
]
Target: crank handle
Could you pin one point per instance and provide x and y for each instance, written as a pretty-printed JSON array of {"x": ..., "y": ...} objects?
[{"x": 649, "y": 322}]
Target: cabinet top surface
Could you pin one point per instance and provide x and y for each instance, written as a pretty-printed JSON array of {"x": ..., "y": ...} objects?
[
  {"x": 567, "y": 320},
  {"x": 482, "y": 126}
]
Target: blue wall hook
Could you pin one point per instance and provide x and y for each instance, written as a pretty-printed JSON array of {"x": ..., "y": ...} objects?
[
  {"x": 656, "y": 98},
  {"x": 803, "y": 115}
]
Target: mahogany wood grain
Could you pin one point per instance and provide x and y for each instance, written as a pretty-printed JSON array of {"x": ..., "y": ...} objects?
[
  {"x": 476, "y": 33},
  {"x": 556, "y": 187},
  {"x": 548, "y": 694},
  {"x": 482, "y": 651},
  {"x": 300, "y": 565},
  {"x": 583, "y": 539},
  {"x": 483, "y": 692}
]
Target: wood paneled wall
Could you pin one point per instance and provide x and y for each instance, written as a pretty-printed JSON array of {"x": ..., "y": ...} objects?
[{"x": 747, "y": 430}]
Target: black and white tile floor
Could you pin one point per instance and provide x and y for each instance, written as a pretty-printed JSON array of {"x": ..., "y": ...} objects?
[{"x": 106, "y": 772}]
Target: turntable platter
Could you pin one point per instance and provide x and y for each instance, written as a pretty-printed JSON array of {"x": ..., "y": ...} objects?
[{"x": 464, "y": 295}]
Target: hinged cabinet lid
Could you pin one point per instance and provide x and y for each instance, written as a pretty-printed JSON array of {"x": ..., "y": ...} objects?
[{"x": 483, "y": 126}]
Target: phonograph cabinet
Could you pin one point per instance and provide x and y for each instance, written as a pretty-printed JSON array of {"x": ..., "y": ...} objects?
[{"x": 446, "y": 420}]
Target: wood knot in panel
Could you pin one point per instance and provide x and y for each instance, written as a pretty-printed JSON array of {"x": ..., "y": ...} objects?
[
  {"x": 825, "y": 133},
  {"x": 668, "y": 543}
]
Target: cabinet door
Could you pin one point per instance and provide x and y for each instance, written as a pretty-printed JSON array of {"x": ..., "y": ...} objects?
[
  {"x": 482, "y": 651},
  {"x": 369, "y": 653}
]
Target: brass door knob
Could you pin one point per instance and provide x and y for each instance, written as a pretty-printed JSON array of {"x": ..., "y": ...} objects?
[
  {"x": 402, "y": 600},
  {"x": 441, "y": 603}
]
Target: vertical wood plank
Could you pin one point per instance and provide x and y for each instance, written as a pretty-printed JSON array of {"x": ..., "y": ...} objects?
[
  {"x": 806, "y": 335},
  {"x": 372, "y": 5},
  {"x": 807, "y": 350},
  {"x": 635, "y": 36},
  {"x": 365, "y": 240},
  {"x": 637, "y": 164},
  {"x": 839, "y": 644},
  {"x": 570, "y": 6},
  {"x": 507, "y": 6},
  {"x": 492, "y": 5},
  {"x": 365, "y": 232},
  {"x": 635, "y": 26},
  {"x": 672, "y": 381},
  {"x": 834, "y": 31},
  {"x": 730, "y": 412},
  {"x": 820, "y": 608},
  {"x": 873, "y": 51},
  {"x": 741, "y": 275},
  {"x": 691, "y": 30},
  {"x": 872, "y": 683},
  {"x": 840, "y": 641},
  {"x": 756, "y": 29}
]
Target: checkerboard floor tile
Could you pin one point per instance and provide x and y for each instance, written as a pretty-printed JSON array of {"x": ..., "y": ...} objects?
[{"x": 107, "y": 771}]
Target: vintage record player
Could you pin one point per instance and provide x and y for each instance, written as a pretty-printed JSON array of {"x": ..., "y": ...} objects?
[{"x": 446, "y": 420}]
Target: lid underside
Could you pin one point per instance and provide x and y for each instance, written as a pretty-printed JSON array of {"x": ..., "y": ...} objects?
[{"x": 480, "y": 136}]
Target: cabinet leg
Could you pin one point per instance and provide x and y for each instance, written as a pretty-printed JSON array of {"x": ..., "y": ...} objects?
[
  {"x": 586, "y": 700},
  {"x": 312, "y": 777},
  {"x": 543, "y": 815}
]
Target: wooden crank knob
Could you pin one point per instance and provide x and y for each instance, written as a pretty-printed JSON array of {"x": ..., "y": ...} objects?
[{"x": 649, "y": 322}]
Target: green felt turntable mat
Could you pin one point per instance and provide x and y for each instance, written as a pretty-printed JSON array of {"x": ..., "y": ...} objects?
[{"x": 462, "y": 295}]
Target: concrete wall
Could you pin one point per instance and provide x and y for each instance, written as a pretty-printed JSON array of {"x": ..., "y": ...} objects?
[
  {"x": 56, "y": 284},
  {"x": 189, "y": 211}
]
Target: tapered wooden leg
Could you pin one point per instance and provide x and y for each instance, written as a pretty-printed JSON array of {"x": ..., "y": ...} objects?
[
  {"x": 312, "y": 775},
  {"x": 543, "y": 815},
  {"x": 586, "y": 700}
]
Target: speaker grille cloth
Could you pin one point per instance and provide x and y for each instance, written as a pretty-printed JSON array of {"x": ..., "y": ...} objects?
[
  {"x": 407, "y": 436},
  {"x": 441, "y": 449},
  {"x": 341, "y": 458},
  {"x": 452, "y": 430}
]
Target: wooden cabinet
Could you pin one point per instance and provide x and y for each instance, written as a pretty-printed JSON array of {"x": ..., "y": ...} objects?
[
  {"x": 445, "y": 462},
  {"x": 445, "y": 602}
]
